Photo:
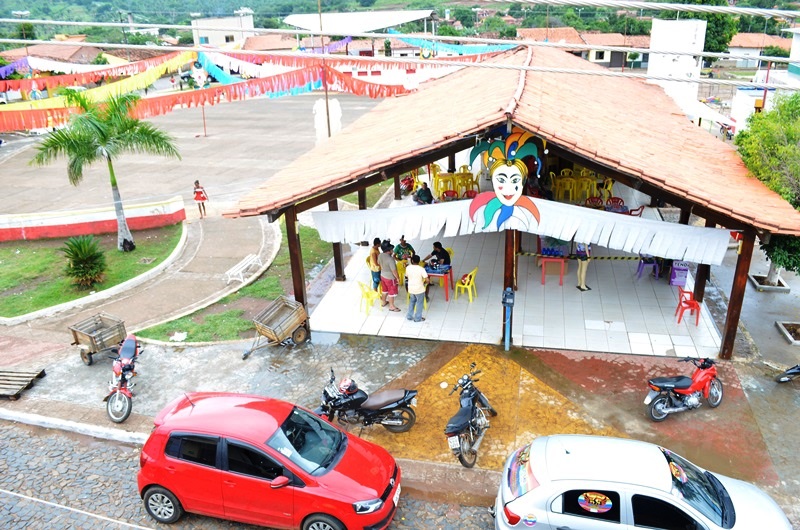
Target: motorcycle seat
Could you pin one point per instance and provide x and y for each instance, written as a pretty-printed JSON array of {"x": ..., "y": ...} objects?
[
  {"x": 678, "y": 381},
  {"x": 381, "y": 399},
  {"x": 459, "y": 421}
]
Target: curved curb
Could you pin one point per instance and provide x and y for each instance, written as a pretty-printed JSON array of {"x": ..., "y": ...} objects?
[
  {"x": 107, "y": 293},
  {"x": 267, "y": 262}
]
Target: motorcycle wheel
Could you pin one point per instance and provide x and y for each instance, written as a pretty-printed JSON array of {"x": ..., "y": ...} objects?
[
  {"x": 119, "y": 407},
  {"x": 656, "y": 408},
  {"x": 467, "y": 457},
  {"x": 787, "y": 376},
  {"x": 715, "y": 393},
  {"x": 406, "y": 415}
]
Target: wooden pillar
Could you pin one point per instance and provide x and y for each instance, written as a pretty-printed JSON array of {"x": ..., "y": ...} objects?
[
  {"x": 451, "y": 163},
  {"x": 508, "y": 280},
  {"x": 338, "y": 258},
  {"x": 703, "y": 272},
  {"x": 517, "y": 250},
  {"x": 737, "y": 294},
  {"x": 362, "y": 205},
  {"x": 295, "y": 256},
  {"x": 397, "y": 195},
  {"x": 684, "y": 218}
]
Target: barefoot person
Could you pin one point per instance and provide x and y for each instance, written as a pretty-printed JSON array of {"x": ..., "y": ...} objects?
[{"x": 200, "y": 197}]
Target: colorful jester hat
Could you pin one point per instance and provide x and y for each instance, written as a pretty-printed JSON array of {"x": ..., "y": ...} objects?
[{"x": 508, "y": 171}]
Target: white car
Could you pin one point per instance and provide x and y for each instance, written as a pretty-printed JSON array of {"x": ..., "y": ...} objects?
[{"x": 595, "y": 482}]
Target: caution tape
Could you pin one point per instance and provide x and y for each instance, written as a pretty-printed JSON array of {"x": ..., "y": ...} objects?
[{"x": 573, "y": 256}]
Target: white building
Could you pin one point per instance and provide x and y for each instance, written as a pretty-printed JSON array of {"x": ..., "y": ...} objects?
[
  {"x": 680, "y": 36},
  {"x": 221, "y": 32}
]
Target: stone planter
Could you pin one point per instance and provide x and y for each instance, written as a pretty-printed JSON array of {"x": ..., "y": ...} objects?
[
  {"x": 788, "y": 330},
  {"x": 757, "y": 279}
]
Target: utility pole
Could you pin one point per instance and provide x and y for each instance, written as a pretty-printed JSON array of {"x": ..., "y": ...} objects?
[{"x": 125, "y": 35}]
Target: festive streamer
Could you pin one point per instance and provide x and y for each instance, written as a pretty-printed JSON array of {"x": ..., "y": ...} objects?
[
  {"x": 9, "y": 69},
  {"x": 245, "y": 68},
  {"x": 466, "y": 49},
  {"x": 331, "y": 48},
  {"x": 289, "y": 83},
  {"x": 102, "y": 93},
  {"x": 215, "y": 71},
  {"x": 85, "y": 78},
  {"x": 344, "y": 62}
]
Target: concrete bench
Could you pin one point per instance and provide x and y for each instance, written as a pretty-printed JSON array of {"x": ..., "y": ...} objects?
[{"x": 237, "y": 271}]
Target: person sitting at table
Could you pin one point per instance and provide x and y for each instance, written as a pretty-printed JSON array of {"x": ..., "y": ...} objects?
[
  {"x": 438, "y": 255},
  {"x": 403, "y": 251},
  {"x": 423, "y": 195}
]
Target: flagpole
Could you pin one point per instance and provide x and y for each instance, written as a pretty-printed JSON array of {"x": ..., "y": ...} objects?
[{"x": 324, "y": 76}]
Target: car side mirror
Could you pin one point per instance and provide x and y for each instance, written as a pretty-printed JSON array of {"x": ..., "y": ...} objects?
[{"x": 279, "y": 482}]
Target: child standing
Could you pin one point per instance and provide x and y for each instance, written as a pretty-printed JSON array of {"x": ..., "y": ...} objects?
[{"x": 200, "y": 197}]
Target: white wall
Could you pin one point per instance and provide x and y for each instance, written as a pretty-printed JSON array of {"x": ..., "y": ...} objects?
[
  {"x": 677, "y": 35},
  {"x": 236, "y": 29}
]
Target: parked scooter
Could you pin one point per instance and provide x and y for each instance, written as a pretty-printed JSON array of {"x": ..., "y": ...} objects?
[
  {"x": 675, "y": 394},
  {"x": 119, "y": 402},
  {"x": 465, "y": 430},
  {"x": 789, "y": 374},
  {"x": 390, "y": 408}
]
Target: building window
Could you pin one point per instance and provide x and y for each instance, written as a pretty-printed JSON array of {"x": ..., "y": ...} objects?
[
  {"x": 600, "y": 56},
  {"x": 203, "y": 40},
  {"x": 228, "y": 38}
]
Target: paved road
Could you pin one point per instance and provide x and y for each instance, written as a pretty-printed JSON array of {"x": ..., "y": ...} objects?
[{"x": 57, "y": 481}]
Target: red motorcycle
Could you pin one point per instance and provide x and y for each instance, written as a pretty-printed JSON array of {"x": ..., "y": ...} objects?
[
  {"x": 119, "y": 401},
  {"x": 676, "y": 394}
]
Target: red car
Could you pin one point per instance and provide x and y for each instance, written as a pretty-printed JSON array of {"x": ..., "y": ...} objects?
[{"x": 263, "y": 461}]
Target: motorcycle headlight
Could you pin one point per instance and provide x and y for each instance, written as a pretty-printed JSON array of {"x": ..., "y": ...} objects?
[{"x": 370, "y": 506}]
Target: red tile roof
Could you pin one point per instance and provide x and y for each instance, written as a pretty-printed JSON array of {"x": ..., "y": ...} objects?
[
  {"x": 606, "y": 119},
  {"x": 566, "y": 35},
  {"x": 759, "y": 40},
  {"x": 604, "y": 39},
  {"x": 72, "y": 54},
  {"x": 270, "y": 42},
  {"x": 637, "y": 41}
]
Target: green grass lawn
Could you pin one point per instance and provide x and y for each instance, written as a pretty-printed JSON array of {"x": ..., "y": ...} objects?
[{"x": 32, "y": 272}]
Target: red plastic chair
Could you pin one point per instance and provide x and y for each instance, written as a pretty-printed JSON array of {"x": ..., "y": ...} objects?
[
  {"x": 470, "y": 194},
  {"x": 686, "y": 301},
  {"x": 594, "y": 202},
  {"x": 449, "y": 195},
  {"x": 637, "y": 212},
  {"x": 615, "y": 203}
]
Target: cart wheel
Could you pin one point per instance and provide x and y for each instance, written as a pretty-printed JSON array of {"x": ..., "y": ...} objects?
[
  {"x": 86, "y": 357},
  {"x": 246, "y": 354},
  {"x": 300, "y": 335}
]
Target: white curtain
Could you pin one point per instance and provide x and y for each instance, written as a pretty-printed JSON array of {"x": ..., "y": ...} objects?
[{"x": 562, "y": 221}]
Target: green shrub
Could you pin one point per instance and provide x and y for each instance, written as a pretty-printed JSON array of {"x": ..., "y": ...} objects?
[{"x": 86, "y": 262}]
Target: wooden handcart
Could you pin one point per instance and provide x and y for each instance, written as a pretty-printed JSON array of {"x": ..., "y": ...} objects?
[
  {"x": 284, "y": 321},
  {"x": 96, "y": 334}
]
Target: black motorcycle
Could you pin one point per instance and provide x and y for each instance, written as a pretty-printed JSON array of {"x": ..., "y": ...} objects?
[
  {"x": 466, "y": 429},
  {"x": 789, "y": 374},
  {"x": 351, "y": 405}
]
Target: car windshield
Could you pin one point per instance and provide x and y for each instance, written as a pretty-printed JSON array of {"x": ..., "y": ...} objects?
[
  {"x": 307, "y": 441},
  {"x": 693, "y": 485}
]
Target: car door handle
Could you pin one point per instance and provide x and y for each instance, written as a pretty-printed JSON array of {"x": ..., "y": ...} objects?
[
  {"x": 170, "y": 469},
  {"x": 563, "y": 528},
  {"x": 229, "y": 483}
]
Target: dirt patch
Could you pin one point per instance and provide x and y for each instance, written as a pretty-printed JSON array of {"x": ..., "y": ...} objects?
[{"x": 792, "y": 329}]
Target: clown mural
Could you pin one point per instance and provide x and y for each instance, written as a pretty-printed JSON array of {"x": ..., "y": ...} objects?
[{"x": 507, "y": 207}]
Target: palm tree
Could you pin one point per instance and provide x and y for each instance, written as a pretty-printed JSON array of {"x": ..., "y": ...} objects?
[{"x": 102, "y": 132}]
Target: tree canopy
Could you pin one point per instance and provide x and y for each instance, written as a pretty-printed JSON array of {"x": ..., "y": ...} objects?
[{"x": 770, "y": 148}]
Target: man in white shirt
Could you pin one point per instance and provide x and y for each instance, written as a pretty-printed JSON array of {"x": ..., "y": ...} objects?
[{"x": 417, "y": 282}]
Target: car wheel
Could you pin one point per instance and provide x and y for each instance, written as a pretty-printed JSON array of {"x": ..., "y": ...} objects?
[
  {"x": 715, "y": 393},
  {"x": 322, "y": 522},
  {"x": 162, "y": 505},
  {"x": 406, "y": 415},
  {"x": 656, "y": 408}
]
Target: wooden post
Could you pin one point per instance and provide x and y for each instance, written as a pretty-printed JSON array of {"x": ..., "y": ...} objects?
[
  {"x": 397, "y": 194},
  {"x": 737, "y": 294},
  {"x": 338, "y": 258},
  {"x": 517, "y": 250},
  {"x": 451, "y": 163},
  {"x": 703, "y": 272},
  {"x": 508, "y": 281},
  {"x": 362, "y": 205},
  {"x": 295, "y": 255}
]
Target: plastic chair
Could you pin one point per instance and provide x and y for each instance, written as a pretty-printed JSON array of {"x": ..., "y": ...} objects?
[
  {"x": 468, "y": 285},
  {"x": 566, "y": 172},
  {"x": 424, "y": 300},
  {"x": 646, "y": 260},
  {"x": 401, "y": 271},
  {"x": 443, "y": 182},
  {"x": 565, "y": 189},
  {"x": 585, "y": 188},
  {"x": 686, "y": 301},
  {"x": 615, "y": 203},
  {"x": 594, "y": 202},
  {"x": 470, "y": 194},
  {"x": 607, "y": 190},
  {"x": 368, "y": 297},
  {"x": 449, "y": 195},
  {"x": 637, "y": 212}
]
